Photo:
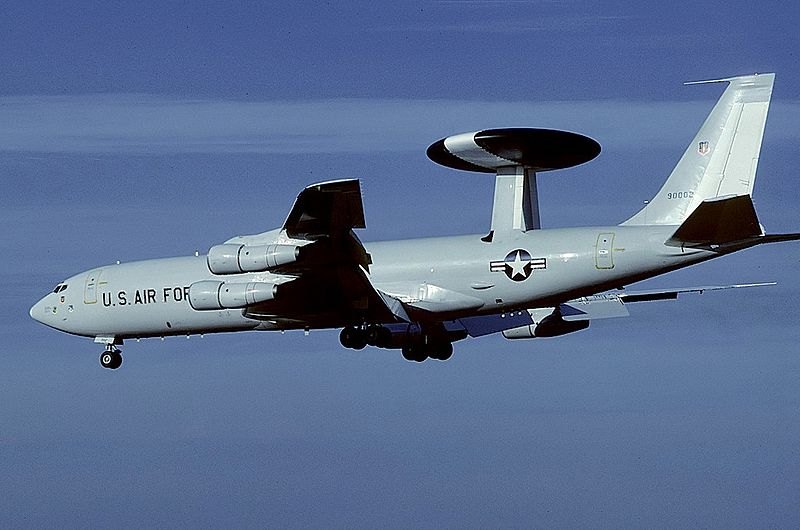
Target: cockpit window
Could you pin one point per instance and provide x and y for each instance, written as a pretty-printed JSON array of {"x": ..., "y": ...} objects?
[
  {"x": 60, "y": 287},
  {"x": 63, "y": 288}
]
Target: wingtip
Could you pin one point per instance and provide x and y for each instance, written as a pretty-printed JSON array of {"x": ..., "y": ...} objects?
[{"x": 758, "y": 284}]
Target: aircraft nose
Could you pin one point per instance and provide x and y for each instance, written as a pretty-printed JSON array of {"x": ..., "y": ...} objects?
[{"x": 37, "y": 311}]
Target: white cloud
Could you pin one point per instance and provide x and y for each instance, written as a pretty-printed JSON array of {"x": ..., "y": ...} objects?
[{"x": 153, "y": 124}]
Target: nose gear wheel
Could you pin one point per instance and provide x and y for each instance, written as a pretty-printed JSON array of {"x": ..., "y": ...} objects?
[{"x": 111, "y": 358}]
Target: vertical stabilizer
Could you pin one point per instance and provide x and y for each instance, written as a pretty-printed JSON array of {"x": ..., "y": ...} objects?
[{"x": 721, "y": 161}]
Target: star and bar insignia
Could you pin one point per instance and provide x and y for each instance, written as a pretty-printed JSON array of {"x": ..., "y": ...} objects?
[{"x": 518, "y": 265}]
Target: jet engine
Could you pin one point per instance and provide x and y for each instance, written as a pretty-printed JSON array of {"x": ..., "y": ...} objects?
[
  {"x": 552, "y": 325},
  {"x": 214, "y": 295},
  {"x": 236, "y": 259}
]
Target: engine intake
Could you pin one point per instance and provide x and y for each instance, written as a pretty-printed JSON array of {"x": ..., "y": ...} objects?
[
  {"x": 236, "y": 259},
  {"x": 213, "y": 295}
]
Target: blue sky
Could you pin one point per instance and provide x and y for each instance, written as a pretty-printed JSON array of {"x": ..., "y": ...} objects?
[{"x": 138, "y": 130}]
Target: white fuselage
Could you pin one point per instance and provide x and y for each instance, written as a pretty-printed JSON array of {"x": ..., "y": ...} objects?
[{"x": 150, "y": 298}]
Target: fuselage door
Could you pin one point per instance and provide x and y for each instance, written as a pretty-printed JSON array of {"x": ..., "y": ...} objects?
[
  {"x": 604, "y": 252},
  {"x": 90, "y": 288}
]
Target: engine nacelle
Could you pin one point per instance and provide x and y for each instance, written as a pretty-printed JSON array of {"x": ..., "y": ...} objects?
[
  {"x": 236, "y": 259},
  {"x": 213, "y": 295},
  {"x": 550, "y": 326}
]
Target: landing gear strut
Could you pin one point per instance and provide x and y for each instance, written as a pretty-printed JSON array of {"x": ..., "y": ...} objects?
[{"x": 111, "y": 358}]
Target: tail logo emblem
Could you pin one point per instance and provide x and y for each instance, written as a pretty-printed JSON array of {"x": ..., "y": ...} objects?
[
  {"x": 702, "y": 148},
  {"x": 518, "y": 265}
]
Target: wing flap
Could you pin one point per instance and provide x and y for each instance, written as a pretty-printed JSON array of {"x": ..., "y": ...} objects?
[
  {"x": 596, "y": 307},
  {"x": 478, "y": 326}
]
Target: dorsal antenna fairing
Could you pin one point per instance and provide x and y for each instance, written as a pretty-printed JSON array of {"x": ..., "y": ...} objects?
[{"x": 515, "y": 155}]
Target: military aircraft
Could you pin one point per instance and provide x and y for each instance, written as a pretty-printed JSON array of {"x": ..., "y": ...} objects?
[{"x": 421, "y": 295}]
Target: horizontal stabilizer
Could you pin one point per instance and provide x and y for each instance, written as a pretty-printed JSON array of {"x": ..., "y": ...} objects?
[{"x": 718, "y": 221}]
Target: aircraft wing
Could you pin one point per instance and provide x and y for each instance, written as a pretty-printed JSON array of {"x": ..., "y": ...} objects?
[
  {"x": 672, "y": 294},
  {"x": 326, "y": 209},
  {"x": 327, "y": 213},
  {"x": 612, "y": 304},
  {"x": 595, "y": 307},
  {"x": 330, "y": 283}
]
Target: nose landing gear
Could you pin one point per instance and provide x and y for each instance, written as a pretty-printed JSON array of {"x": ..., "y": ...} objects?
[{"x": 111, "y": 358}]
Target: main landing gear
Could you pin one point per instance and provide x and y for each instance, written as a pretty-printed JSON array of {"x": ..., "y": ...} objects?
[
  {"x": 438, "y": 350},
  {"x": 416, "y": 347},
  {"x": 357, "y": 338},
  {"x": 111, "y": 358}
]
